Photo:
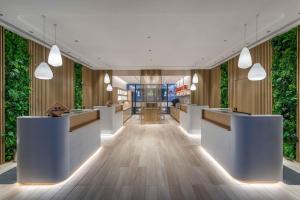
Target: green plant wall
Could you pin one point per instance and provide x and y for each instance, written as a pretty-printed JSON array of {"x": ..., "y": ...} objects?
[
  {"x": 78, "y": 85},
  {"x": 16, "y": 87},
  {"x": 284, "y": 83},
  {"x": 224, "y": 85}
]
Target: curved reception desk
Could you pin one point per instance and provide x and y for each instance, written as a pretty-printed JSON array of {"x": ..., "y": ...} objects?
[
  {"x": 111, "y": 118},
  {"x": 248, "y": 147},
  {"x": 50, "y": 149},
  {"x": 189, "y": 117}
]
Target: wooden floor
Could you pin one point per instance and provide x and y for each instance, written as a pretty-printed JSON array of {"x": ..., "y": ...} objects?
[{"x": 150, "y": 162}]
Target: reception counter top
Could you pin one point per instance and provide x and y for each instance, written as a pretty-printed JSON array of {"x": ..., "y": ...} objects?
[
  {"x": 111, "y": 118},
  {"x": 249, "y": 147},
  {"x": 50, "y": 149},
  {"x": 190, "y": 117}
]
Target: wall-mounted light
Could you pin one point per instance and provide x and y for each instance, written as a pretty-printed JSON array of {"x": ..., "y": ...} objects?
[
  {"x": 43, "y": 71},
  {"x": 106, "y": 78},
  {"x": 245, "y": 59}
]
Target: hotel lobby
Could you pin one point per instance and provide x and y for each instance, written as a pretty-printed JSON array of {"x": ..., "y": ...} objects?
[{"x": 162, "y": 99}]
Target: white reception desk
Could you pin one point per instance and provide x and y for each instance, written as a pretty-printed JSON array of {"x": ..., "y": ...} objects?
[
  {"x": 190, "y": 117},
  {"x": 50, "y": 149},
  {"x": 111, "y": 118},
  {"x": 249, "y": 147}
]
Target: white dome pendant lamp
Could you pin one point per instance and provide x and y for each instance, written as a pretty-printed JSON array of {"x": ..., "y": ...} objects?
[
  {"x": 245, "y": 59},
  {"x": 195, "y": 78},
  {"x": 43, "y": 71},
  {"x": 106, "y": 78},
  {"x": 109, "y": 88},
  {"x": 193, "y": 87},
  {"x": 54, "y": 58},
  {"x": 257, "y": 72}
]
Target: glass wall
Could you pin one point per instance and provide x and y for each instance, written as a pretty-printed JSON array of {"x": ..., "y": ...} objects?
[{"x": 163, "y": 93}]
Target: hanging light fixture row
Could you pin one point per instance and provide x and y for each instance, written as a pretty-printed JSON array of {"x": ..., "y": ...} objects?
[
  {"x": 43, "y": 71},
  {"x": 257, "y": 72}
]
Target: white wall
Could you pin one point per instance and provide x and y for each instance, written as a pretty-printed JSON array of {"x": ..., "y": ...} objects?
[{"x": 118, "y": 82}]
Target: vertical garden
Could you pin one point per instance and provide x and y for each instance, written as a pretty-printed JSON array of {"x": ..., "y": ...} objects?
[
  {"x": 224, "y": 85},
  {"x": 78, "y": 85},
  {"x": 16, "y": 87},
  {"x": 284, "y": 87}
]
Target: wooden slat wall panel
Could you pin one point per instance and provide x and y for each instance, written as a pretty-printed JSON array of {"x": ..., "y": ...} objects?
[
  {"x": 215, "y": 83},
  {"x": 251, "y": 96},
  {"x": 87, "y": 87},
  {"x": 298, "y": 94},
  {"x": 100, "y": 95},
  {"x": 2, "y": 89},
  {"x": 202, "y": 94},
  {"x": 47, "y": 92}
]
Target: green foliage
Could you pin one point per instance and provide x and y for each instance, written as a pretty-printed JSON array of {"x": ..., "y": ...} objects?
[
  {"x": 284, "y": 83},
  {"x": 78, "y": 85},
  {"x": 16, "y": 87},
  {"x": 224, "y": 85}
]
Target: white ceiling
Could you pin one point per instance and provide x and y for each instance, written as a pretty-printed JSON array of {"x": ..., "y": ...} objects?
[{"x": 183, "y": 33}]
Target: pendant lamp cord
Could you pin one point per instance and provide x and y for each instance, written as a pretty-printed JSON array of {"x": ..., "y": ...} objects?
[
  {"x": 55, "y": 25},
  {"x": 44, "y": 30},
  {"x": 256, "y": 27},
  {"x": 245, "y": 34}
]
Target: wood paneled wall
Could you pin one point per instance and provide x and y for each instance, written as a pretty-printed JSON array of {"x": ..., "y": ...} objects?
[
  {"x": 94, "y": 89},
  {"x": 202, "y": 95},
  {"x": 2, "y": 89},
  {"x": 298, "y": 94},
  {"x": 208, "y": 88},
  {"x": 215, "y": 88},
  {"x": 87, "y": 90},
  {"x": 251, "y": 96},
  {"x": 99, "y": 94},
  {"x": 44, "y": 93}
]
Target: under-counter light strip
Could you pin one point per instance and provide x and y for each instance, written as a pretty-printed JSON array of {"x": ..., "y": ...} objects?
[
  {"x": 76, "y": 172},
  {"x": 232, "y": 179}
]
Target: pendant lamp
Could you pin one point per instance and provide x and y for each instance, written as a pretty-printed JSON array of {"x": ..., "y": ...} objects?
[
  {"x": 43, "y": 71},
  {"x": 109, "y": 88},
  {"x": 54, "y": 58},
  {"x": 193, "y": 87},
  {"x": 245, "y": 59},
  {"x": 257, "y": 72},
  {"x": 106, "y": 78},
  {"x": 195, "y": 78}
]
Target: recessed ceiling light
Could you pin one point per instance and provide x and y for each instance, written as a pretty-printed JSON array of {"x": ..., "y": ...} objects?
[
  {"x": 149, "y": 50},
  {"x": 69, "y": 52},
  {"x": 99, "y": 58},
  {"x": 268, "y": 31},
  {"x": 31, "y": 32},
  {"x": 149, "y": 37},
  {"x": 1, "y": 14},
  {"x": 247, "y": 43},
  {"x": 225, "y": 40},
  {"x": 76, "y": 40}
]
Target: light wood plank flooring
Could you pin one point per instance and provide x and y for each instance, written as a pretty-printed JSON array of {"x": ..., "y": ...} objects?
[{"x": 149, "y": 162}]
